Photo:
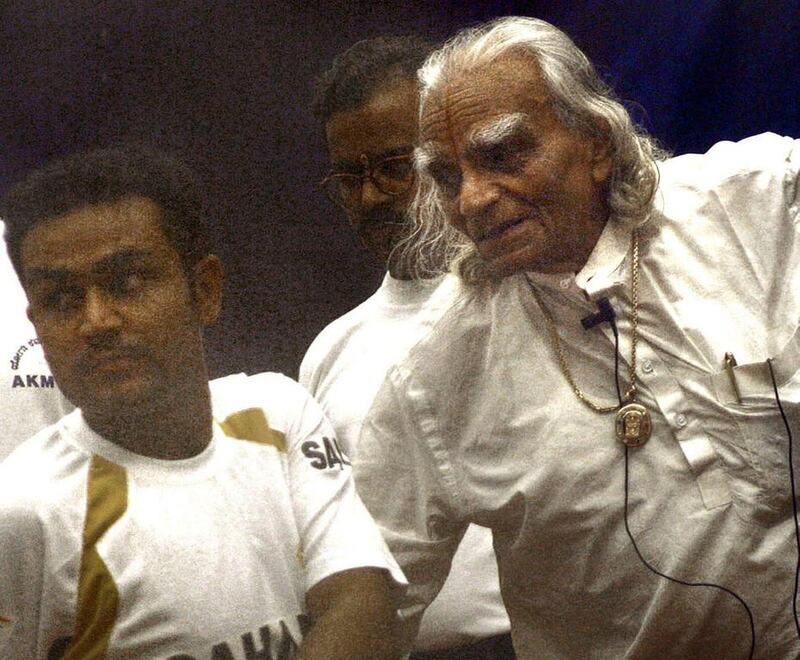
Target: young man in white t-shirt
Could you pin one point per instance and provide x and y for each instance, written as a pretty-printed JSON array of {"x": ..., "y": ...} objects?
[
  {"x": 368, "y": 103},
  {"x": 29, "y": 396},
  {"x": 164, "y": 518}
]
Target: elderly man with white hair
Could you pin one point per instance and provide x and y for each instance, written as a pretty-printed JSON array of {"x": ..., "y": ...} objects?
[{"x": 614, "y": 389}]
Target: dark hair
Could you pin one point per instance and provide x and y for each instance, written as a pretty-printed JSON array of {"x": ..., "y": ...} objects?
[
  {"x": 104, "y": 176},
  {"x": 360, "y": 71}
]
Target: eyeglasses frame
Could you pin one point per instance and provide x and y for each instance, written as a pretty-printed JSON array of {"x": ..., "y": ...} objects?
[{"x": 367, "y": 173}]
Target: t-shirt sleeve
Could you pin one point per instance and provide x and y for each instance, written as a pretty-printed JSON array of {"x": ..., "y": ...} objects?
[
  {"x": 316, "y": 363},
  {"x": 398, "y": 478},
  {"x": 336, "y": 531},
  {"x": 21, "y": 562},
  {"x": 307, "y": 376}
]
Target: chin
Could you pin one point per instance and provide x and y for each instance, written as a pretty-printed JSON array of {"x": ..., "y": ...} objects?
[
  {"x": 510, "y": 265},
  {"x": 130, "y": 395},
  {"x": 500, "y": 272}
]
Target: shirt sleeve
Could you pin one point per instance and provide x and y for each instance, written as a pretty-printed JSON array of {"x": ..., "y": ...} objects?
[
  {"x": 336, "y": 531},
  {"x": 21, "y": 565},
  {"x": 397, "y": 477},
  {"x": 793, "y": 182}
]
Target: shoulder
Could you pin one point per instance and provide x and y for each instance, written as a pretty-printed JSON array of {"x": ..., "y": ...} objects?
[
  {"x": 267, "y": 389},
  {"x": 333, "y": 338},
  {"x": 764, "y": 154},
  {"x": 286, "y": 405},
  {"x": 477, "y": 322},
  {"x": 40, "y": 472},
  {"x": 378, "y": 332},
  {"x": 736, "y": 182}
]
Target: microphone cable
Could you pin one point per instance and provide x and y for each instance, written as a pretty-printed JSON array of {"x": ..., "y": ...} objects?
[
  {"x": 794, "y": 494},
  {"x": 636, "y": 547}
]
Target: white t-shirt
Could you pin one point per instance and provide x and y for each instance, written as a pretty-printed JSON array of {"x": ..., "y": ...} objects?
[
  {"x": 29, "y": 398},
  {"x": 343, "y": 369},
  {"x": 479, "y": 424},
  {"x": 103, "y": 551}
]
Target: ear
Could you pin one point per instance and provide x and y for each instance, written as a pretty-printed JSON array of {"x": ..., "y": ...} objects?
[
  {"x": 207, "y": 288},
  {"x": 601, "y": 156}
]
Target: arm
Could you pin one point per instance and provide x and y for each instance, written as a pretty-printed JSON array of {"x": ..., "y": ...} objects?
[
  {"x": 401, "y": 483},
  {"x": 21, "y": 557},
  {"x": 353, "y": 617},
  {"x": 351, "y": 579}
]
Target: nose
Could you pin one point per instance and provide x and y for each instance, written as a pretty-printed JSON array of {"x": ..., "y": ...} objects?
[
  {"x": 370, "y": 195},
  {"x": 99, "y": 314},
  {"x": 478, "y": 192}
]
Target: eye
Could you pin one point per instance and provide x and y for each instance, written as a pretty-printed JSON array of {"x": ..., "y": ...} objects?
[
  {"x": 398, "y": 169},
  {"x": 507, "y": 156},
  {"x": 500, "y": 158},
  {"x": 61, "y": 299},
  {"x": 447, "y": 180},
  {"x": 497, "y": 158},
  {"x": 125, "y": 283},
  {"x": 348, "y": 184}
]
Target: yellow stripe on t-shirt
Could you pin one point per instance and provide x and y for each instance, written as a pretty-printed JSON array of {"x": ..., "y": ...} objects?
[
  {"x": 98, "y": 597},
  {"x": 251, "y": 424}
]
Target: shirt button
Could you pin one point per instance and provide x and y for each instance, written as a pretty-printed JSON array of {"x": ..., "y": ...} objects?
[
  {"x": 681, "y": 420},
  {"x": 565, "y": 283},
  {"x": 647, "y": 366}
]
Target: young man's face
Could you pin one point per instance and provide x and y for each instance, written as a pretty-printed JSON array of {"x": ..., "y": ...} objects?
[
  {"x": 384, "y": 127},
  {"x": 117, "y": 315}
]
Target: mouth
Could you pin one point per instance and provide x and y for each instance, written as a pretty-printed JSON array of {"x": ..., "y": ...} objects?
[
  {"x": 104, "y": 361},
  {"x": 389, "y": 221},
  {"x": 379, "y": 232},
  {"x": 497, "y": 232},
  {"x": 380, "y": 224}
]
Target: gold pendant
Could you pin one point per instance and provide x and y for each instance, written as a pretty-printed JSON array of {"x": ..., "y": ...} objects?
[{"x": 633, "y": 424}]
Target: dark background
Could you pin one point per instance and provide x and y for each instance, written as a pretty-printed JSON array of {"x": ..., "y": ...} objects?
[{"x": 227, "y": 85}]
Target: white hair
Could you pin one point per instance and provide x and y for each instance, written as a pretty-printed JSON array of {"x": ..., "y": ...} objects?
[{"x": 581, "y": 100}]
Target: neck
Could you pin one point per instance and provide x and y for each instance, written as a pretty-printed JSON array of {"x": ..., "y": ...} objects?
[
  {"x": 401, "y": 271},
  {"x": 398, "y": 268},
  {"x": 175, "y": 426},
  {"x": 400, "y": 274},
  {"x": 588, "y": 239}
]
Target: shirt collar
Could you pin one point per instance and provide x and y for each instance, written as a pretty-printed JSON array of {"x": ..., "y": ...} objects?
[{"x": 602, "y": 272}]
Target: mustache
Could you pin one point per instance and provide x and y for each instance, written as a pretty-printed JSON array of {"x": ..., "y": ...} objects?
[
  {"x": 383, "y": 216},
  {"x": 100, "y": 352}
]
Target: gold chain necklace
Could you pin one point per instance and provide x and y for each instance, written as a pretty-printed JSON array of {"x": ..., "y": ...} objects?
[{"x": 633, "y": 424}]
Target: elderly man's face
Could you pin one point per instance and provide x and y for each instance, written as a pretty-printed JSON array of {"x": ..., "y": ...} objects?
[
  {"x": 383, "y": 132},
  {"x": 526, "y": 189}
]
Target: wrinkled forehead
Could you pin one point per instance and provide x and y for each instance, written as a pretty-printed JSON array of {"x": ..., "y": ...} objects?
[{"x": 465, "y": 102}]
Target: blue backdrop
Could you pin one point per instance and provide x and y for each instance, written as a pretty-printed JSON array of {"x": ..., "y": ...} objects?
[{"x": 227, "y": 86}]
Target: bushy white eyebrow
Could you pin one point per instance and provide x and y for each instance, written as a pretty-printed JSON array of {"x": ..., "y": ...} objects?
[
  {"x": 499, "y": 130},
  {"x": 494, "y": 134}
]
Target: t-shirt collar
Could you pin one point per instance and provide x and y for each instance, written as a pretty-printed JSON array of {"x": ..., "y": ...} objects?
[{"x": 409, "y": 292}]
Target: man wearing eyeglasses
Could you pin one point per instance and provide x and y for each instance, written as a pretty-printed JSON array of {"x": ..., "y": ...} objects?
[{"x": 368, "y": 104}]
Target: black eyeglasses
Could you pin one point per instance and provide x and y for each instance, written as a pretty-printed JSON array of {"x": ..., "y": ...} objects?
[{"x": 392, "y": 176}]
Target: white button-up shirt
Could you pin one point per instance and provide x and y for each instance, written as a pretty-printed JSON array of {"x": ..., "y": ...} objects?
[{"x": 478, "y": 424}]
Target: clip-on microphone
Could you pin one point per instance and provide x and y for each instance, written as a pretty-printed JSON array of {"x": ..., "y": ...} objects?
[{"x": 605, "y": 315}]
